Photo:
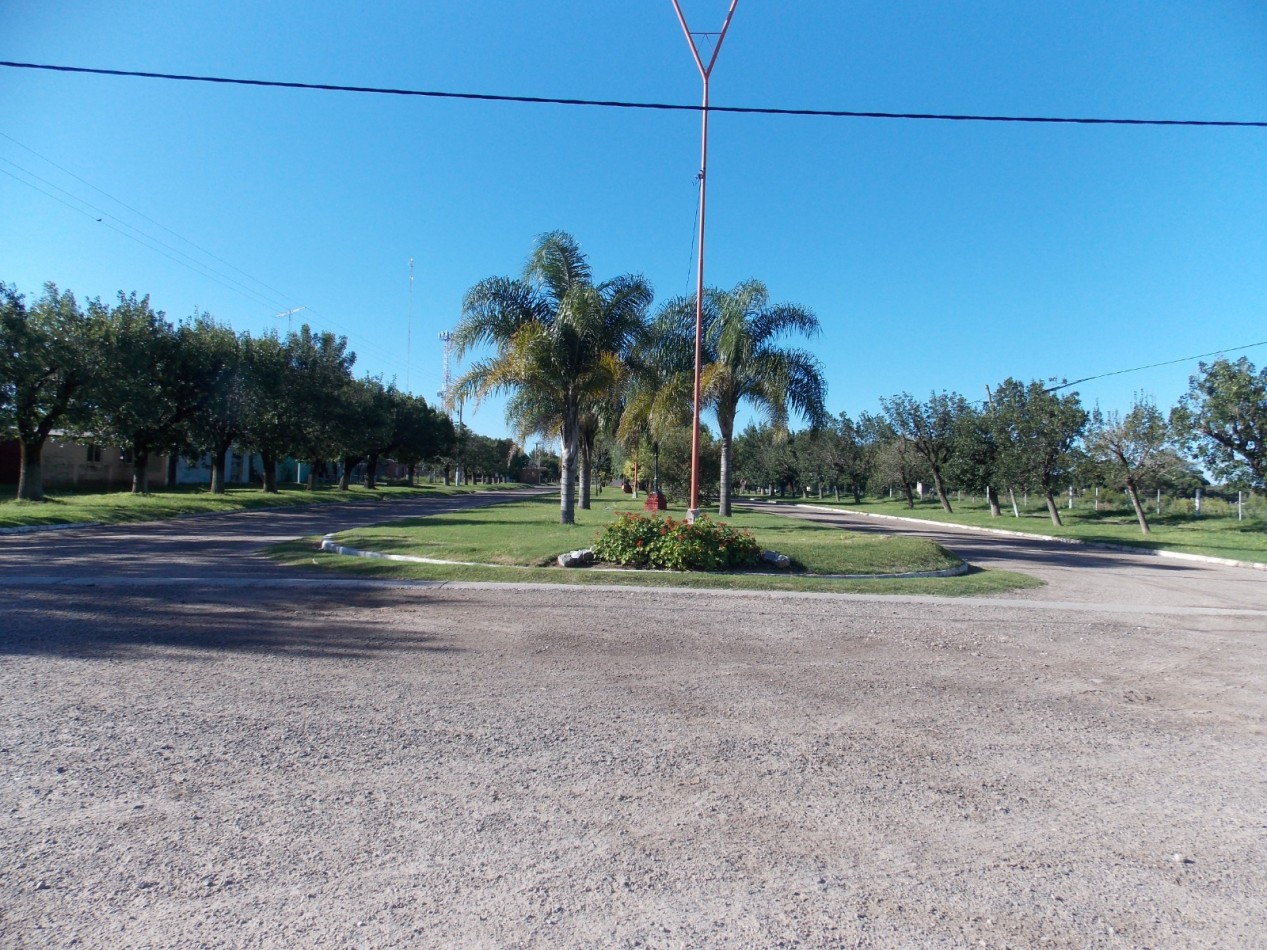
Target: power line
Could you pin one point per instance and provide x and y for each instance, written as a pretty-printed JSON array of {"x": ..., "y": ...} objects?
[
  {"x": 621, "y": 104},
  {"x": 139, "y": 214},
  {"x": 199, "y": 267},
  {"x": 151, "y": 243},
  {"x": 1136, "y": 369}
]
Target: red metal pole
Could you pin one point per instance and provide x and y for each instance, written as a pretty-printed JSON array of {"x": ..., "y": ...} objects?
[
  {"x": 693, "y": 512},
  {"x": 705, "y": 72}
]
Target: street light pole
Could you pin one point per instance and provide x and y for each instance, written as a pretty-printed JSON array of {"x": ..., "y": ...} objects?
[{"x": 705, "y": 73}]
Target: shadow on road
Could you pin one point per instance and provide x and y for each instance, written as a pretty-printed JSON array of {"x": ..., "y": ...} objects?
[{"x": 197, "y": 624}]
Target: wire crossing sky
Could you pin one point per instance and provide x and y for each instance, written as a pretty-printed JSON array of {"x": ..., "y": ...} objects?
[
  {"x": 618, "y": 104},
  {"x": 948, "y": 243}
]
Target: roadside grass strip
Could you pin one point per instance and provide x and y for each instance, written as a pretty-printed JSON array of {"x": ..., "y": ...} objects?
[
  {"x": 1137, "y": 549},
  {"x": 84, "y": 509},
  {"x": 519, "y": 541}
]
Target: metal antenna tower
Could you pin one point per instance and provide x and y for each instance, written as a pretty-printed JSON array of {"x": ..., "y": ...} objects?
[
  {"x": 289, "y": 315},
  {"x": 409, "y": 326},
  {"x": 446, "y": 394},
  {"x": 705, "y": 73}
]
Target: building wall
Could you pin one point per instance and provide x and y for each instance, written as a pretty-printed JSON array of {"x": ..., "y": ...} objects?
[{"x": 74, "y": 465}]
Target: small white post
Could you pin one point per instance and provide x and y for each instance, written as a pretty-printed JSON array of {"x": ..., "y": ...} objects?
[
  {"x": 1240, "y": 508},
  {"x": 1159, "y": 501},
  {"x": 1196, "y": 505}
]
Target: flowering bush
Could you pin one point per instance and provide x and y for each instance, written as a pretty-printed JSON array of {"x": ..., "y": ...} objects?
[{"x": 644, "y": 541}]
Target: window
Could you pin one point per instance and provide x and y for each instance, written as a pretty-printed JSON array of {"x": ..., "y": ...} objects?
[{"x": 94, "y": 453}]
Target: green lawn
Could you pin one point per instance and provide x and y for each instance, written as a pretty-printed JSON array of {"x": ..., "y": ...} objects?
[
  {"x": 115, "y": 507},
  {"x": 525, "y": 537},
  {"x": 1219, "y": 535}
]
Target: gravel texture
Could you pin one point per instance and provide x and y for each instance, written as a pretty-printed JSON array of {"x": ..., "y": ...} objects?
[{"x": 236, "y": 762}]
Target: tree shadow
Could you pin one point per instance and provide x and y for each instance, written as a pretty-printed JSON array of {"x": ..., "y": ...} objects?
[{"x": 199, "y": 624}]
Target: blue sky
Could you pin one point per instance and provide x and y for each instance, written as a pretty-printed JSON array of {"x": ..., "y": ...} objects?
[{"x": 936, "y": 255}]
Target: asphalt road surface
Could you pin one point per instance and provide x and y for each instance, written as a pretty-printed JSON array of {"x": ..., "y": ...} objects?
[{"x": 200, "y": 748}]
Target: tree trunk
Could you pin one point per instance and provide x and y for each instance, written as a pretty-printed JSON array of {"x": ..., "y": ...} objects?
[
  {"x": 371, "y": 471},
  {"x": 269, "y": 459},
  {"x": 217, "y": 466},
  {"x": 992, "y": 497},
  {"x": 31, "y": 477},
  {"x": 583, "y": 478},
  {"x": 910, "y": 495},
  {"x": 345, "y": 475},
  {"x": 172, "y": 462},
  {"x": 1052, "y": 508},
  {"x": 567, "y": 476},
  {"x": 723, "y": 494},
  {"x": 312, "y": 474},
  {"x": 409, "y": 474},
  {"x": 1132, "y": 491},
  {"x": 140, "y": 473},
  {"x": 941, "y": 491}
]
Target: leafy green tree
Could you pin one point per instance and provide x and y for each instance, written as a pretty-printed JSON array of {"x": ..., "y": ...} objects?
[
  {"x": 675, "y": 460},
  {"x": 269, "y": 409},
  {"x": 930, "y": 427},
  {"x": 215, "y": 355},
  {"x": 1131, "y": 445},
  {"x": 762, "y": 458},
  {"x": 658, "y": 391},
  {"x": 319, "y": 372},
  {"x": 846, "y": 455},
  {"x": 364, "y": 418},
  {"x": 46, "y": 363},
  {"x": 149, "y": 385},
  {"x": 1223, "y": 420},
  {"x": 1036, "y": 431},
  {"x": 974, "y": 459},
  {"x": 897, "y": 461},
  {"x": 419, "y": 432},
  {"x": 558, "y": 341},
  {"x": 743, "y": 361}
]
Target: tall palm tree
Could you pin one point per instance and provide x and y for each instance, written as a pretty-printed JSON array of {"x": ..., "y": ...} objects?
[
  {"x": 557, "y": 338},
  {"x": 743, "y": 361}
]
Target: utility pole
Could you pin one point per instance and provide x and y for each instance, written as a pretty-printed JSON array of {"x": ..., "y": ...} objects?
[
  {"x": 409, "y": 326},
  {"x": 705, "y": 73}
]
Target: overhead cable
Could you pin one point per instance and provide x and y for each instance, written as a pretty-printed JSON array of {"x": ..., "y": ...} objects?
[
  {"x": 1136, "y": 369},
  {"x": 622, "y": 104}
]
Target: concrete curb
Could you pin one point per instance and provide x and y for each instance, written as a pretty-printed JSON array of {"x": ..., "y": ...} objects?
[
  {"x": 1072, "y": 542},
  {"x": 328, "y": 544}
]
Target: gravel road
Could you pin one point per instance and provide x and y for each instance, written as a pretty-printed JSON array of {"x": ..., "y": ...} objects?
[{"x": 198, "y": 749}]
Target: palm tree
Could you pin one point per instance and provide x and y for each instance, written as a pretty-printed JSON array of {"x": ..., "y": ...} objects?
[
  {"x": 743, "y": 361},
  {"x": 558, "y": 341}
]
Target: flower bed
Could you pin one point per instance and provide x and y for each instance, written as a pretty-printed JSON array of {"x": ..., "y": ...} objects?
[{"x": 638, "y": 540}]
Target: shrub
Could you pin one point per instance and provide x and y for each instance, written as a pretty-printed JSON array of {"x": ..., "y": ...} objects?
[{"x": 643, "y": 541}]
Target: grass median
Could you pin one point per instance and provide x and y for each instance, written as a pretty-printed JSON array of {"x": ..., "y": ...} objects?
[
  {"x": 1221, "y": 535},
  {"x": 119, "y": 507},
  {"x": 519, "y": 541}
]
